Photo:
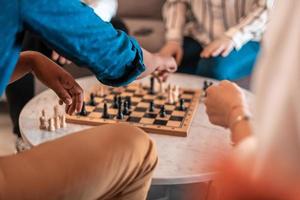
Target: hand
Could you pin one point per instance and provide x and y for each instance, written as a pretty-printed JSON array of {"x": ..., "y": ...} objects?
[
  {"x": 165, "y": 66},
  {"x": 224, "y": 103},
  {"x": 60, "y": 81},
  {"x": 222, "y": 46},
  {"x": 172, "y": 49},
  {"x": 60, "y": 59}
]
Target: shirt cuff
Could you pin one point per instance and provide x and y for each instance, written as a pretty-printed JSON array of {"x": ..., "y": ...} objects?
[
  {"x": 238, "y": 38},
  {"x": 132, "y": 70}
]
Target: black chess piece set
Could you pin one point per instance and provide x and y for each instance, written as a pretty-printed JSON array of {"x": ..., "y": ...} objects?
[{"x": 206, "y": 85}]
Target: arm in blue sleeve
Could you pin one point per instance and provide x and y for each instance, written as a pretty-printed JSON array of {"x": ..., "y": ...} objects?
[{"x": 75, "y": 31}]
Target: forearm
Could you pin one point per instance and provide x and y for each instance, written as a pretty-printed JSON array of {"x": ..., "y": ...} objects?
[
  {"x": 23, "y": 67},
  {"x": 174, "y": 14}
]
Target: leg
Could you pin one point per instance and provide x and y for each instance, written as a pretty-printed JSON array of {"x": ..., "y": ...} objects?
[
  {"x": 237, "y": 65},
  {"x": 106, "y": 162},
  {"x": 191, "y": 56},
  {"x": 21, "y": 91}
]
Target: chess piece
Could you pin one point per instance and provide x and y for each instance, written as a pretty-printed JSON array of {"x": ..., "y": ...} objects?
[
  {"x": 56, "y": 112},
  {"x": 162, "y": 112},
  {"x": 105, "y": 111},
  {"x": 51, "y": 126},
  {"x": 129, "y": 103},
  {"x": 151, "y": 89},
  {"x": 125, "y": 108},
  {"x": 92, "y": 99},
  {"x": 101, "y": 91},
  {"x": 120, "y": 113},
  {"x": 83, "y": 110},
  {"x": 43, "y": 125},
  {"x": 63, "y": 123},
  {"x": 170, "y": 95},
  {"x": 57, "y": 122},
  {"x": 115, "y": 102},
  {"x": 120, "y": 101},
  {"x": 181, "y": 105},
  {"x": 151, "y": 107},
  {"x": 175, "y": 93}
]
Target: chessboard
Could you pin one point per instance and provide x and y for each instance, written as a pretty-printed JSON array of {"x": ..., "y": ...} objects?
[{"x": 140, "y": 105}]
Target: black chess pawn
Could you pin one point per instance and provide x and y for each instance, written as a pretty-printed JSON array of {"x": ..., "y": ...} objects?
[
  {"x": 92, "y": 99},
  {"x": 129, "y": 103},
  {"x": 125, "y": 108},
  {"x": 162, "y": 112},
  {"x": 119, "y": 101},
  {"x": 105, "y": 114},
  {"x": 83, "y": 111},
  {"x": 151, "y": 106},
  {"x": 181, "y": 105},
  {"x": 205, "y": 85},
  {"x": 115, "y": 102},
  {"x": 120, "y": 113},
  {"x": 151, "y": 89}
]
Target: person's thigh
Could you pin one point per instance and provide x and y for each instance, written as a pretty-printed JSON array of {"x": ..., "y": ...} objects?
[
  {"x": 97, "y": 163},
  {"x": 237, "y": 65},
  {"x": 191, "y": 56}
]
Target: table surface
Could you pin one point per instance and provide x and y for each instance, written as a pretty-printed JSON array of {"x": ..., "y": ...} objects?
[{"x": 181, "y": 160}]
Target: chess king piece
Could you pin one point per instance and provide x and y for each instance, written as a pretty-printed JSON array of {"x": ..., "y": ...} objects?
[
  {"x": 151, "y": 106},
  {"x": 162, "y": 112},
  {"x": 51, "y": 126},
  {"x": 83, "y": 110},
  {"x": 152, "y": 89},
  {"x": 63, "y": 123},
  {"x": 105, "y": 111},
  {"x": 43, "y": 125}
]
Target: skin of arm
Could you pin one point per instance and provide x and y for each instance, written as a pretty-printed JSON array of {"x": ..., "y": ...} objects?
[
  {"x": 224, "y": 104},
  {"x": 53, "y": 76}
]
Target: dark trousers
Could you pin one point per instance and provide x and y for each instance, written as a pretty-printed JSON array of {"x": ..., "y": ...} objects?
[
  {"x": 237, "y": 65},
  {"x": 21, "y": 91}
]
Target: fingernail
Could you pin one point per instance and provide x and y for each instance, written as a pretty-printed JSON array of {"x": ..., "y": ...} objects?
[{"x": 68, "y": 101}]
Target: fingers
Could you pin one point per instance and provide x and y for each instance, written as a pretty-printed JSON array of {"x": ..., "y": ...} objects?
[
  {"x": 60, "y": 59},
  {"x": 227, "y": 51},
  {"x": 216, "y": 52},
  {"x": 54, "y": 56}
]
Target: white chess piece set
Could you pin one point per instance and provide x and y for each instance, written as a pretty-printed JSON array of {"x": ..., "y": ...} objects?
[{"x": 53, "y": 123}]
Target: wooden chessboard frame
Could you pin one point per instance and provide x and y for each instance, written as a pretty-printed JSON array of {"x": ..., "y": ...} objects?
[{"x": 181, "y": 131}]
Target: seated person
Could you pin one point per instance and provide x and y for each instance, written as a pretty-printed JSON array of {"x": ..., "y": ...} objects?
[
  {"x": 221, "y": 37},
  {"x": 268, "y": 149},
  {"x": 107, "y": 162},
  {"x": 21, "y": 91}
]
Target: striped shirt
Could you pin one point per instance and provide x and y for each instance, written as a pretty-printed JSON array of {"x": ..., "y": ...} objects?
[{"x": 206, "y": 20}]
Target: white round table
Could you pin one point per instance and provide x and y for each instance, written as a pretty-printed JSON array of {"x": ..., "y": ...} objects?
[{"x": 181, "y": 160}]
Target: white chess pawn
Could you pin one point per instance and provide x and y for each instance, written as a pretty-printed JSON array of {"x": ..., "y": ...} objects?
[
  {"x": 51, "y": 126},
  {"x": 63, "y": 123},
  {"x": 176, "y": 93},
  {"x": 170, "y": 96},
  {"x": 56, "y": 112},
  {"x": 43, "y": 125},
  {"x": 57, "y": 122}
]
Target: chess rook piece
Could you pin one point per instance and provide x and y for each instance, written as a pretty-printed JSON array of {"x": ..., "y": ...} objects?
[
  {"x": 151, "y": 89},
  {"x": 83, "y": 110},
  {"x": 181, "y": 105},
  {"x": 162, "y": 112},
  {"x": 151, "y": 106},
  {"x": 92, "y": 99},
  {"x": 51, "y": 126},
  {"x": 115, "y": 102},
  {"x": 43, "y": 125},
  {"x": 57, "y": 122},
  {"x": 129, "y": 103},
  {"x": 125, "y": 108},
  {"x": 105, "y": 112},
  {"x": 63, "y": 123},
  {"x": 120, "y": 113}
]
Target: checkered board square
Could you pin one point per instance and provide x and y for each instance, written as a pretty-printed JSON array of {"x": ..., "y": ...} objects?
[{"x": 175, "y": 123}]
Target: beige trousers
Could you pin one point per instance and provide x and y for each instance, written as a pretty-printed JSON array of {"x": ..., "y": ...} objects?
[{"x": 106, "y": 162}]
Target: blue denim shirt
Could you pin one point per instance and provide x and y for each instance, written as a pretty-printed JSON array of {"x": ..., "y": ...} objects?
[{"x": 75, "y": 31}]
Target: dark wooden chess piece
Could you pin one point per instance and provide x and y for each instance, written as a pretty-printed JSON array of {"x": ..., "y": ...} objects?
[
  {"x": 92, "y": 99},
  {"x": 120, "y": 113},
  {"x": 129, "y": 103},
  {"x": 162, "y": 112},
  {"x": 105, "y": 114},
  {"x": 181, "y": 105},
  {"x": 83, "y": 110},
  {"x": 151, "y": 106},
  {"x": 125, "y": 108},
  {"x": 151, "y": 89},
  {"x": 115, "y": 102}
]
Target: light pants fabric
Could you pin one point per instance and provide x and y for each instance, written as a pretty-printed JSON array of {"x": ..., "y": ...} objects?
[{"x": 106, "y": 162}]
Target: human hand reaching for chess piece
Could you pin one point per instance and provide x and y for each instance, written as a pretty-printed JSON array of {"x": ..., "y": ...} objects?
[
  {"x": 224, "y": 103},
  {"x": 172, "y": 49},
  {"x": 56, "y": 78}
]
